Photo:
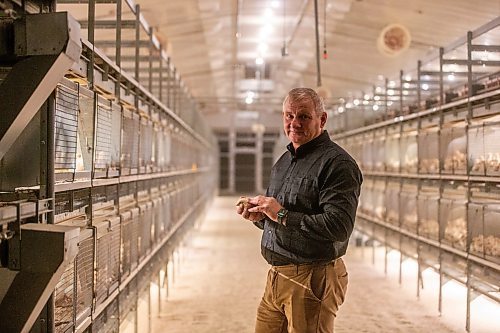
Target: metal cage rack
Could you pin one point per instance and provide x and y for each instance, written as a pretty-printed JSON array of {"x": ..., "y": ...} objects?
[
  {"x": 435, "y": 196},
  {"x": 134, "y": 168}
]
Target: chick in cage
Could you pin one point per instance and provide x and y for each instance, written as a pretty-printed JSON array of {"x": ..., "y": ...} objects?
[{"x": 489, "y": 245}]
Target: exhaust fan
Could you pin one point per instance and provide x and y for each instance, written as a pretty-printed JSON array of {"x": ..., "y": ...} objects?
[{"x": 393, "y": 40}]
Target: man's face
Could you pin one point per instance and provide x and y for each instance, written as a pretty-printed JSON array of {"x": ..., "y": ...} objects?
[{"x": 301, "y": 122}]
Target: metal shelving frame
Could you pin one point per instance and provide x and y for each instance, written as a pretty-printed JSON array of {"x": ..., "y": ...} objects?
[
  {"x": 428, "y": 94},
  {"x": 155, "y": 92}
]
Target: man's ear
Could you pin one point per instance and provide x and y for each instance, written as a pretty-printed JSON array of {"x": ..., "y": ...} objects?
[{"x": 324, "y": 117}]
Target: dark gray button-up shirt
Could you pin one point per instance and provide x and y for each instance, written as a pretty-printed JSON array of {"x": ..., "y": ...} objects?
[{"x": 319, "y": 184}]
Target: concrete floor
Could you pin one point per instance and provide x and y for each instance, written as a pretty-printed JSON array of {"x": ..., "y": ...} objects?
[{"x": 221, "y": 278}]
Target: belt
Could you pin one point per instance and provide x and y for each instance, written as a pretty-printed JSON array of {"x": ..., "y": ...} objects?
[{"x": 296, "y": 268}]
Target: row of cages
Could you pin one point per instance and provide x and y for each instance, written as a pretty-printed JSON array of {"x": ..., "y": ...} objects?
[
  {"x": 476, "y": 275},
  {"x": 99, "y": 138},
  {"x": 121, "y": 225},
  {"x": 439, "y": 143},
  {"x": 132, "y": 310},
  {"x": 463, "y": 216},
  {"x": 466, "y": 69}
]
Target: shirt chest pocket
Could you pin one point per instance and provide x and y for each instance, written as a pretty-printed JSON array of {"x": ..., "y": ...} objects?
[{"x": 304, "y": 193}]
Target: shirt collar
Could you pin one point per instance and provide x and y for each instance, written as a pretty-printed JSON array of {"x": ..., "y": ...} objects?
[{"x": 308, "y": 146}]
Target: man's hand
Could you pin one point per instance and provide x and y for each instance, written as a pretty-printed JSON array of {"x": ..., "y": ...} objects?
[
  {"x": 265, "y": 205},
  {"x": 243, "y": 205}
]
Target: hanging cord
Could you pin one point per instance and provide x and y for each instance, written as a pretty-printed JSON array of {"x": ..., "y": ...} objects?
[
  {"x": 318, "y": 65},
  {"x": 325, "y": 52},
  {"x": 284, "y": 50}
]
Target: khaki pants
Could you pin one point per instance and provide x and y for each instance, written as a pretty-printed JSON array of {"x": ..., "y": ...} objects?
[{"x": 302, "y": 298}]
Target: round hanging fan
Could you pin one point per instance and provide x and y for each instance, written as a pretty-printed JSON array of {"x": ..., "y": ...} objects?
[{"x": 393, "y": 40}]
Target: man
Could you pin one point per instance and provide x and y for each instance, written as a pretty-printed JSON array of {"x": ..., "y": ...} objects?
[{"x": 307, "y": 216}]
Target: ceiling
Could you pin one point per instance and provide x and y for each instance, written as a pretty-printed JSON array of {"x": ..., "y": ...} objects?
[{"x": 214, "y": 44}]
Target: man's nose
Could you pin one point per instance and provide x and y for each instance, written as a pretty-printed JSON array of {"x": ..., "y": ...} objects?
[{"x": 295, "y": 123}]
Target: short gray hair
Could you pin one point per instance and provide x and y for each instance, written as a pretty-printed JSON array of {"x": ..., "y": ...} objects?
[{"x": 298, "y": 95}]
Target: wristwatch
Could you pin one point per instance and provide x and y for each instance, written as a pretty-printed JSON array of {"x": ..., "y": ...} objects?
[{"x": 282, "y": 214}]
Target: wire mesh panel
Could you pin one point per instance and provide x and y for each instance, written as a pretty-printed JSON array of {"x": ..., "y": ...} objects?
[
  {"x": 367, "y": 152},
  {"x": 477, "y": 158},
  {"x": 130, "y": 143},
  {"x": 428, "y": 146},
  {"x": 408, "y": 205},
  {"x": 453, "y": 141},
  {"x": 85, "y": 137},
  {"x": 428, "y": 210},
  {"x": 114, "y": 254},
  {"x": 158, "y": 229},
  {"x": 392, "y": 151},
  {"x": 146, "y": 146},
  {"x": 126, "y": 243},
  {"x": 66, "y": 127},
  {"x": 65, "y": 300},
  {"x": 166, "y": 218},
  {"x": 145, "y": 225},
  {"x": 483, "y": 217},
  {"x": 127, "y": 307},
  {"x": 453, "y": 216},
  {"x": 103, "y": 145},
  {"x": 378, "y": 155},
  {"x": 134, "y": 241},
  {"x": 392, "y": 202},
  {"x": 102, "y": 262},
  {"x": 492, "y": 147},
  {"x": 409, "y": 147},
  {"x": 108, "y": 321},
  {"x": 365, "y": 197},
  {"x": 84, "y": 275}
]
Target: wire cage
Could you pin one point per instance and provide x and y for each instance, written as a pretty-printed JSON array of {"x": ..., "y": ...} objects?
[
  {"x": 66, "y": 130},
  {"x": 84, "y": 275},
  {"x": 453, "y": 266},
  {"x": 392, "y": 150},
  {"x": 128, "y": 307},
  {"x": 143, "y": 299},
  {"x": 129, "y": 160},
  {"x": 378, "y": 156},
  {"x": 365, "y": 198},
  {"x": 408, "y": 205},
  {"x": 85, "y": 135},
  {"x": 428, "y": 210},
  {"x": 377, "y": 204},
  {"x": 146, "y": 225},
  {"x": 453, "y": 215},
  {"x": 453, "y": 141},
  {"x": 367, "y": 152},
  {"x": 484, "y": 280},
  {"x": 428, "y": 145},
  {"x": 409, "y": 147},
  {"x": 107, "y": 146},
  {"x": 428, "y": 256},
  {"x": 157, "y": 229},
  {"x": 166, "y": 217},
  {"x": 392, "y": 202},
  {"x": 146, "y": 161},
  {"x": 101, "y": 291},
  {"x": 64, "y": 300},
  {"x": 108, "y": 321},
  {"x": 484, "y": 147},
  {"x": 483, "y": 217}
]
